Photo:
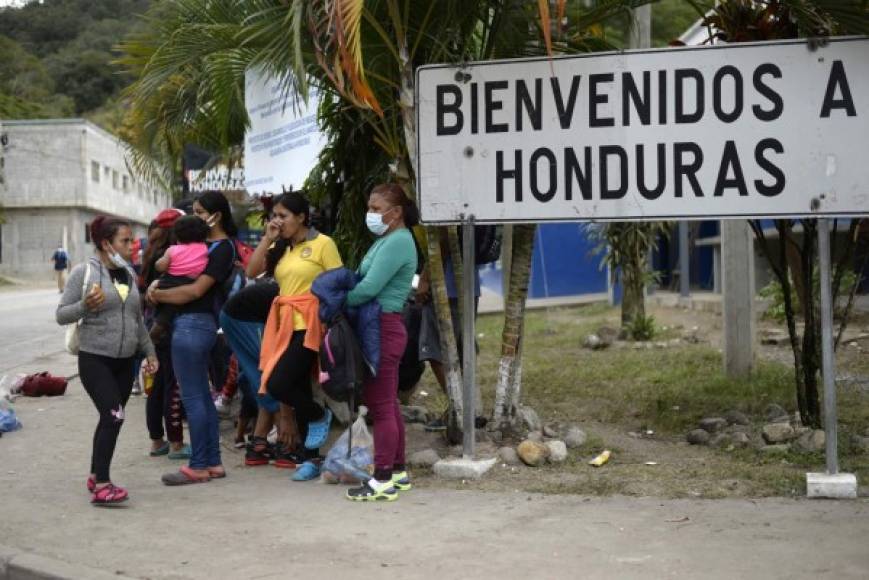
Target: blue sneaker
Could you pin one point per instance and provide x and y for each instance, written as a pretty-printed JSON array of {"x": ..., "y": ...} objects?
[
  {"x": 307, "y": 471},
  {"x": 318, "y": 431}
]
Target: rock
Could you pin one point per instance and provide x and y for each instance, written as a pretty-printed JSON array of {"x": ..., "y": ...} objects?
[
  {"x": 532, "y": 453},
  {"x": 413, "y": 414},
  {"x": 720, "y": 440},
  {"x": 810, "y": 442},
  {"x": 496, "y": 436},
  {"x": 463, "y": 468},
  {"x": 551, "y": 431},
  {"x": 593, "y": 342},
  {"x": 575, "y": 437},
  {"x": 535, "y": 436},
  {"x": 698, "y": 437},
  {"x": 529, "y": 419},
  {"x": 608, "y": 334},
  {"x": 737, "y": 418},
  {"x": 778, "y": 433},
  {"x": 557, "y": 451},
  {"x": 740, "y": 439},
  {"x": 425, "y": 458},
  {"x": 776, "y": 414},
  {"x": 508, "y": 455},
  {"x": 713, "y": 424},
  {"x": 739, "y": 429},
  {"x": 781, "y": 448}
]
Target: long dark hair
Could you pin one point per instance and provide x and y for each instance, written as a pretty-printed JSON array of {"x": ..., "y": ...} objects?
[
  {"x": 158, "y": 242},
  {"x": 297, "y": 204},
  {"x": 105, "y": 228},
  {"x": 393, "y": 193},
  {"x": 213, "y": 202}
]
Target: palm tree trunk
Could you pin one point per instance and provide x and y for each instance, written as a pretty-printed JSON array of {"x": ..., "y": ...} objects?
[{"x": 508, "y": 387}]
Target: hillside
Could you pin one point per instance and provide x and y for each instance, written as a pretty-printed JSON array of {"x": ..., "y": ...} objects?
[{"x": 57, "y": 58}]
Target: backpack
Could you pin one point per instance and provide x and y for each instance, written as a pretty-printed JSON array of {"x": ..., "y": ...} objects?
[
  {"x": 237, "y": 278},
  {"x": 342, "y": 365},
  {"x": 487, "y": 244}
]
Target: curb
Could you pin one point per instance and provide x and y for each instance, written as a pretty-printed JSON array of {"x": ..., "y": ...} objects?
[{"x": 20, "y": 565}]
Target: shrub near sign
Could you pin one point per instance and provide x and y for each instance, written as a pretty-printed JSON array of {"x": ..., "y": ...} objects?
[{"x": 762, "y": 129}]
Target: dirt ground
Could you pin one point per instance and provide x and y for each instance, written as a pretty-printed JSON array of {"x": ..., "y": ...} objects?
[{"x": 650, "y": 463}]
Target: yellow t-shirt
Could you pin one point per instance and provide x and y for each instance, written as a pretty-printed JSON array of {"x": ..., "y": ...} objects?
[{"x": 300, "y": 265}]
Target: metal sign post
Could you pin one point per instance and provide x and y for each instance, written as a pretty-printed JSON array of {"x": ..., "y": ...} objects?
[
  {"x": 828, "y": 358},
  {"x": 468, "y": 333}
]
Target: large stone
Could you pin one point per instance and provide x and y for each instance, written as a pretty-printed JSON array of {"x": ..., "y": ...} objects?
[
  {"x": 535, "y": 436},
  {"x": 424, "y": 458},
  {"x": 608, "y": 334},
  {"x": 529, "y": 419},
  {"x": 698, "y": 437},
  {"x": 713, "y": 424},
  {"x": 413, "y": 414},
  {"x": 575, "y": 437},
  {"x": 557, "y": 451},
  {"x": 593, "y": 342},
  {"x": 810, "y": 442},
  {"x": 551, "y": 431},
  {"x": 509, "y": 456},
  {"x": 720, "y": 440},
  {"x": 532, "y": 453},
  {"x": 776, "y": 413},
  {"x": 460, "y": 469},
  {"x": 740, "y": 439},
  {"x": 778, "y": 433},
  {"x": 737, "y": 418}
]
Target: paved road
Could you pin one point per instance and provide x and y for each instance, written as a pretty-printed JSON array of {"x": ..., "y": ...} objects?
[{"x": 30, "y": 339}]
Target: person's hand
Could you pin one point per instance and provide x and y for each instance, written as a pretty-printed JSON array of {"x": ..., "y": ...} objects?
[
  {"x": 94, "y": 298},
  {"x": 273, "y": 229},
  {"x": 151, "y": 293},
  {"x": 150, "y": 365}
]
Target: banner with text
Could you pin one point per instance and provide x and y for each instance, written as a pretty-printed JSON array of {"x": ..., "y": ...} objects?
[
  {"x": 283, "y": 141},
  {"x": 736, "y": 131}
]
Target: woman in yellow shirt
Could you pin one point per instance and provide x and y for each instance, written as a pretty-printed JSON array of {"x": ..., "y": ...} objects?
[{"x": 295, "y": 253}]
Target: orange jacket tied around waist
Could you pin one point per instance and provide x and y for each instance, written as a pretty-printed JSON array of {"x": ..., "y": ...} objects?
[{"x": 279, "y": 330}]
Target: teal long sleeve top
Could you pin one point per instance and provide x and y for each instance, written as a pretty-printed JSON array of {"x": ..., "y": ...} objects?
[{"x": 387, "y": 272}]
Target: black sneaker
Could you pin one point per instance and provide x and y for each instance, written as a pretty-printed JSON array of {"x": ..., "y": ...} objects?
[
  {"x": 288, "y": 459},
  {"x": 385, "y": 491},
  {"x": 259, "y": 452}
]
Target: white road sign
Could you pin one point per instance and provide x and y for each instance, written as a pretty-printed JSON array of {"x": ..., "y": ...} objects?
[
  {"x": 748, "y": 130},
  {"x": 283, "y": 142}
]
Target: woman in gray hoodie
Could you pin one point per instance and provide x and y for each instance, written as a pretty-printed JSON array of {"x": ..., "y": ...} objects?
[{"x": 111, "y": 334}]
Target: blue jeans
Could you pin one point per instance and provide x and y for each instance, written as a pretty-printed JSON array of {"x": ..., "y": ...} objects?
[
  {"x": 245, "y": 340},
  {"x": 193, "y": 337}
]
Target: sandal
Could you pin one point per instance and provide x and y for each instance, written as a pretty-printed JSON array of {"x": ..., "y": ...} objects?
[
  {"x": 183, "y": 453},
  {"x": 162, "y": 450},
  {"x": 109, "y": 494},
  {"x": 318, "y": 431},
  {"x": 92, "y": 483},
  {"x": 218, "y": 472},
  {"x": 184, "y": 476}
]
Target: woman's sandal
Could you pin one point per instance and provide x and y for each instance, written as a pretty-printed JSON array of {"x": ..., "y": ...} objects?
[
  {"x": 109, "y": 495},
  {"x": 162, "y": 450},
  {"x": 217, "y": 472},
  {"x": 184, "y": 476},
  {"x": 92, "y": 483}
]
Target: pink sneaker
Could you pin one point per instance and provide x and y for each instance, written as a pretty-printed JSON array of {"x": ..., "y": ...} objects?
[{"x": 109, "y": 494}]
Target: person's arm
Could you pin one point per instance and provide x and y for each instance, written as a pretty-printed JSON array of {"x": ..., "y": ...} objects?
[
  {"x": 163, "y": 263},
  {"x": 72, "y": 307},
  {"x": 257, "y": 263},
  {"x": 219, "y": 266},
  {"x": 386, "y": 263}
]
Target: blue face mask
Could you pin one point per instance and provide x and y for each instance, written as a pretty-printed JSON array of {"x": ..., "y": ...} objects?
[{"x": 375, "y": 224}]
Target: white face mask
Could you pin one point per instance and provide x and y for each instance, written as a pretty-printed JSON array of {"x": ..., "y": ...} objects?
[
  {"x": 116, "y": 259},
  {"x": 375, "y": 222}
]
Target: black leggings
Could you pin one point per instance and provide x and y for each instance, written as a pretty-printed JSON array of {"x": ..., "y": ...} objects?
[
  {"x": 108, "y": 381},
  {"x": 290, "y": 383}
]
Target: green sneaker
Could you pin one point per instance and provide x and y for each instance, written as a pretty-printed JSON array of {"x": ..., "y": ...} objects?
[
  {"x": 385, "y": 491},
  {"x": 401, "y": 481}
]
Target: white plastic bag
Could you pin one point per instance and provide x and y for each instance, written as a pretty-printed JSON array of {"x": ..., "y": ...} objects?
[{"x": 350, "y": 458}]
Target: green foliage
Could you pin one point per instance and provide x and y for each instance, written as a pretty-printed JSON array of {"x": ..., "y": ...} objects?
[
  {"x": 57, "y": 56},
  {"x": 642, "y": 328},
  {"x": 774, "y": 293}
]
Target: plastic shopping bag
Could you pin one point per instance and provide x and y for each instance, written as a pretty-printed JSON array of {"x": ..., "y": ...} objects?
[{"x": 351, "y": 457}]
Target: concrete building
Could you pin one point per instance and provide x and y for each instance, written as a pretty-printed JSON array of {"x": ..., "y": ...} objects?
[{"x": 55, "y": 177}]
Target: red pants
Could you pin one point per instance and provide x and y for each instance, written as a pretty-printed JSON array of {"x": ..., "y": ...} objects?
[{"x": 381, "y": 395}]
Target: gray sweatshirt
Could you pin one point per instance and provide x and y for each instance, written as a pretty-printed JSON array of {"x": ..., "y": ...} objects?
[{"x": 117, "y": 328}]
